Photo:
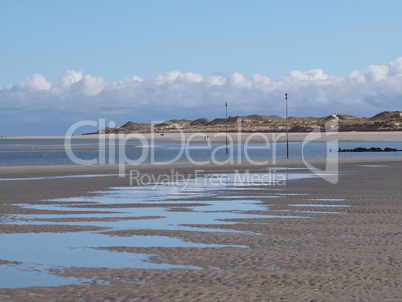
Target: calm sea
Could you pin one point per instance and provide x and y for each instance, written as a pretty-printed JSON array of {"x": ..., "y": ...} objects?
[{"x": 173, "y": 150}]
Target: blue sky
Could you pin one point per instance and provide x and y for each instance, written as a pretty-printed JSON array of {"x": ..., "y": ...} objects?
[{"x": 65, "y": 61}]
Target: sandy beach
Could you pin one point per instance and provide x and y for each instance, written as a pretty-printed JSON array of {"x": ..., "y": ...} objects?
[
  {"x": 349, "y": 252},
  {"x": 281, "y": 136},
  {"x": 200, "y": 151}
]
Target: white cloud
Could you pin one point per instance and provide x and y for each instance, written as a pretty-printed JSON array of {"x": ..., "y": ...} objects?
[
  {"x": 37, "y": 82},
  {"x": 260, "y": 81},
  {"x": 215, "y": 80},
  {"x": 182, "y": 95},
  {"x": 377, "y": 73},
  {"x": 66, "y": 82},
  {"x": 357, "y": 76},
  {"x": 71, "y": 77},
  {"x": 395, "y": 68},
  {"x": 237, "y": 80},
  {"x": 311, "y": 75},
  {"x": 91, "y": 86}
]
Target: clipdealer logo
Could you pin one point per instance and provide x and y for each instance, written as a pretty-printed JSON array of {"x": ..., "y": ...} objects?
[
  {"x": 114, "y": 148},
  {"x": 202, "y": 179}
]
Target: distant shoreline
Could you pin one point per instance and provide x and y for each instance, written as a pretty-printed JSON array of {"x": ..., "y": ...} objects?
[
  {"x": 220, "y": 136},
  {"x": 252, "y": 131}
]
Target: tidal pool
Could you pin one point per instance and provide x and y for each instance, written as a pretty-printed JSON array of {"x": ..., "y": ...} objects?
[{"x": 178, "y": 206}]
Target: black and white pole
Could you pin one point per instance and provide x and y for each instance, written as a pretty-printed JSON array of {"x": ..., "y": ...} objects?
[
  {"x": 226, "y": 106},
  {"x": 287, "y": 127}
]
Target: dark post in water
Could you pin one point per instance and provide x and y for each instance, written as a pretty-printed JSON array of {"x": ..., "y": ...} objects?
[
  {"x": 226, "y": 105},
  {"x": 287, "y": 127}
]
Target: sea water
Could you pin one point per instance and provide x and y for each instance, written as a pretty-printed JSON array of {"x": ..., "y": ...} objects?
[{"x": 30, "y": 152}]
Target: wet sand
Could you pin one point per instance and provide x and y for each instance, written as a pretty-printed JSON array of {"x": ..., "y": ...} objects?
[{"x": 348, "y": 254}]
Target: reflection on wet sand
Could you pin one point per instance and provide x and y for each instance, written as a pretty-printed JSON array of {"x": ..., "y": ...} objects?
[{"x": 160, "y": 207}]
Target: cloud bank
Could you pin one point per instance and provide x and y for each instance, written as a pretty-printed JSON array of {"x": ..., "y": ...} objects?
[{"x": 38, "y": 102}]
